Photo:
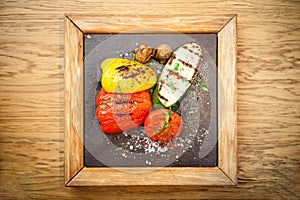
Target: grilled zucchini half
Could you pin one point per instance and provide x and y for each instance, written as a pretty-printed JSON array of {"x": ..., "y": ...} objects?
[{"x": 179, "y": 73}]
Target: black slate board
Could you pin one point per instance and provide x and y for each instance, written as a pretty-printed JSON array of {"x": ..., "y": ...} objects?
[{"x": 127, "y": 150}]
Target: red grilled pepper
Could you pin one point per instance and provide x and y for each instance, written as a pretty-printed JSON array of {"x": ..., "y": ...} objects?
[{"x": 121, "y": 112}]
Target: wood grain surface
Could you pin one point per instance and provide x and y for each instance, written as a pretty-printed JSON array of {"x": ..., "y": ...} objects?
[
  {"x": 73, "y": 100},
  {"x": 32, "y": 98},
  {"x": 227, "y": 99}
]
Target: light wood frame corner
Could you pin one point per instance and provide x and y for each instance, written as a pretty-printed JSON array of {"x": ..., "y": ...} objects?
[{"x": 76, "y": 174}]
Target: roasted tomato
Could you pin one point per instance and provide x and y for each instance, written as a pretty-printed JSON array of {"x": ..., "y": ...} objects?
[
  {"x": 162, "y": 125},
  {"x": 121, "y": 112}
]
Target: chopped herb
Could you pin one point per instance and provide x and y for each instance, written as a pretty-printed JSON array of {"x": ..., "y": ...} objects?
[
  {"x": 194, "y": 109},
  {"x": 123, "y": 96},
  {"x": 133, "y": 56},
  {"x": 171, "y": 85},
  {"x": 118, "y": 89},
  {"x": 184, "y": 79},
  {"x": 157, "y": 130},
  {"x": 112, "y": 99},
  {"x": 151, "y": 62},
  {"x": 119, "y": 148},
  {"x": 166, "y": 124},
  {"x": 103, "y": 105},
  {"x": 168, "y": 114},
  {"x": 176, "y": 66},
  {"x": 203, "y": 86}
]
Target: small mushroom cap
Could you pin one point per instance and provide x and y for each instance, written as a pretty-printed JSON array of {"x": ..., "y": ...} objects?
[
  {"x": 162, "y": 52},
  {"x": 143, "y": 53}
]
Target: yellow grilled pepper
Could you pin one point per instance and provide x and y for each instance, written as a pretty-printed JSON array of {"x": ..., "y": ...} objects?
[{"x": 126, "y": 76}]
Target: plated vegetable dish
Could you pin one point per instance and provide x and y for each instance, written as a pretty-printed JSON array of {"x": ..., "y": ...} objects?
[{"x": 133, "y": 94}]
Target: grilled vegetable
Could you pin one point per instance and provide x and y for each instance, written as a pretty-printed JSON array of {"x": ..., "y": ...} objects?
[
  {"x": 126, "y": 76},
  {"x": 179, "y": 73},
  {"x": 120, "y": 112},
  {"x": 162, "y": 53},
  {"x": 162, "y": 125},
  {"x": 156, "y": 104},
  {"x": 143, "y": 53}
]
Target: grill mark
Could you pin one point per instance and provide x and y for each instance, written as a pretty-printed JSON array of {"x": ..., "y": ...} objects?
[
  {"x": 162, "y": 97},
  {"x": 172, "y": 58},
  {"x": 130, "y": 76},
  {"x": 178, "y": 76},
  {"x": 140, "y": 71},
  {"x": 124, "y": 102},
  {"x": 159, "y": 89},
  {"x": 194, "y": 46},
  {"x": 194, "y": 75},
  {"x": 186, "y": 64},
  {"x": 123, "y": 68},
  {"x": 124, "y": 114}
]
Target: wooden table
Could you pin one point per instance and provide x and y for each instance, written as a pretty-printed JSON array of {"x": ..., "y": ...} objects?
[{"x": 32, "y": 99}]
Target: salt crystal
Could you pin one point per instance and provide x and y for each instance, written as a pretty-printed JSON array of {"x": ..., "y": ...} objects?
[
  {"x": 151, "y": 150},
  {"x": 131, "y": 147}
]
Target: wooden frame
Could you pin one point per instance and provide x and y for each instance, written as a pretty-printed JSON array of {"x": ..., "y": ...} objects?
[{"x": 226, "y": 171}]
